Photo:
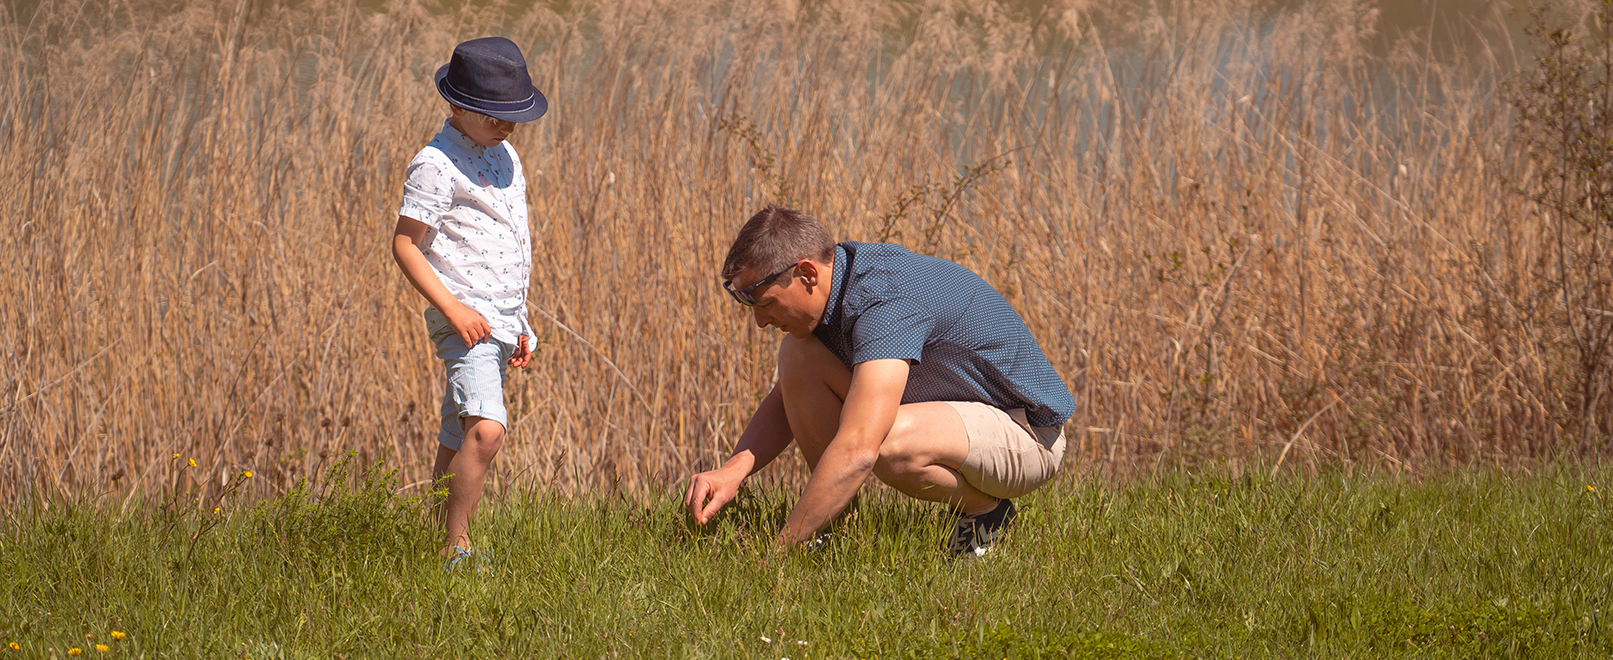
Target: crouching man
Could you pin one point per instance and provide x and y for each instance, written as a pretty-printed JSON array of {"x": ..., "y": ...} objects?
[{"x": 895, "y": 363}]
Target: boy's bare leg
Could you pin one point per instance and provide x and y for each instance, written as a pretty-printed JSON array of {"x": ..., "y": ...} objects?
[
  {"x": 483, "y": 437},
  {"x": 921, "y": 456}
]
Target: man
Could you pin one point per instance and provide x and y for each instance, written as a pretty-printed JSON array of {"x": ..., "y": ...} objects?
[{"x": 899, "y": 364}]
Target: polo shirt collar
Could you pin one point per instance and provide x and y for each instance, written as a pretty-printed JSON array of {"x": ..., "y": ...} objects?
[
  {"x": 459, "y": 139},
  {"x": 831, "y": 310}
]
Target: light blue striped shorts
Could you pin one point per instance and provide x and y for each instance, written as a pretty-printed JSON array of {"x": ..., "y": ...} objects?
[{"x": 475, "y": 385}]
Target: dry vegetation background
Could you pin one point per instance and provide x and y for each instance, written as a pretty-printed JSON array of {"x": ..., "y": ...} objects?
[{"x": 1245, "y": 234}]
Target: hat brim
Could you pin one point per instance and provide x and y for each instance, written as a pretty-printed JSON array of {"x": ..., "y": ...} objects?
[{"x": 538, "y": 107}]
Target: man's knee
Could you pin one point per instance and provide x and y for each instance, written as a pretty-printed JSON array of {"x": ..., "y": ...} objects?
[
  {"x": 902, "y": 451},
  {"x": 809, "y": 362}
]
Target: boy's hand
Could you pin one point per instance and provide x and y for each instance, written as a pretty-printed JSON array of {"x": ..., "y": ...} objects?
[
  {"x": 471, "y": 326},
  {"x": 523, "y": 355}
]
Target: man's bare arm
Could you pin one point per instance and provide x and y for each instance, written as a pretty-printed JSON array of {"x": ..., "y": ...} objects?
[
  {"x": 765, "y": 437},
  {"x": 865, "y": 420}
]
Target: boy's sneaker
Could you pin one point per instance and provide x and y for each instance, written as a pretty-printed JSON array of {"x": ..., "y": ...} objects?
[
  {"x": 973, "y": 534},
  {"x": 466, "y": 559}
]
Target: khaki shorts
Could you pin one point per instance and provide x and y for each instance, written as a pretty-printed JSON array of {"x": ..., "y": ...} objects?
[{"x": 1007, "y": 456}]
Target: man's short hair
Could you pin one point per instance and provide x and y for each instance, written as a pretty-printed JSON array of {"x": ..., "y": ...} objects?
[{"x": 774, "y": 238}]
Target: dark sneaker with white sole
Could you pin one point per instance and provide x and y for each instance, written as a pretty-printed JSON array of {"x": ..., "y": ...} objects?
[{"x": 974, "y": 534}]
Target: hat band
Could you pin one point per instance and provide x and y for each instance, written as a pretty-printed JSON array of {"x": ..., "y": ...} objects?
[{"x": 494, "y": 106}]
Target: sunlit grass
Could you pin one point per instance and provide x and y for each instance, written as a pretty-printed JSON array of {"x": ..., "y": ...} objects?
[{"x": 1476, "y": 565}]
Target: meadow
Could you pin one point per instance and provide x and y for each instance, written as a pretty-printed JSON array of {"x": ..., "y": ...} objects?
[{"x": 1481, "y": 564}]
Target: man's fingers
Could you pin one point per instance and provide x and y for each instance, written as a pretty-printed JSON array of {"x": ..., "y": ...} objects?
[
  {"x": 695, "y": 497},
  {"x": 712, "y": 507},
  {"x": 715, "y": 499}
]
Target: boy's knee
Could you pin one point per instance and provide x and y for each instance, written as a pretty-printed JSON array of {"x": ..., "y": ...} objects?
[{"x": 484, "y": 436}]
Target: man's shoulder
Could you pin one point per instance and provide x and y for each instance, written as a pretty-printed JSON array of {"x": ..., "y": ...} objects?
[
  {"x": 877, "y": 265},
  {"x": 880, "y": 275}
]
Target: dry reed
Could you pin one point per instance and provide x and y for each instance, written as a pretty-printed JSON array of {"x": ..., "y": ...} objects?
[{"x": 1243, "y": 234}]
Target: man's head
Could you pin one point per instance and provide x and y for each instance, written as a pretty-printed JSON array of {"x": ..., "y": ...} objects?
[{"x": 780, "y": 265}]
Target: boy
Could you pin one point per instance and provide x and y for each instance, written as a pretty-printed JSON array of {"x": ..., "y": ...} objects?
[{"x": 463, "y": 243}]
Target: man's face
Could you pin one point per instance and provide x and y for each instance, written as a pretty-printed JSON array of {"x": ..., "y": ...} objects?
[
  {"x": 793, "y": 302},
  {"x": 482, "y": 129}
]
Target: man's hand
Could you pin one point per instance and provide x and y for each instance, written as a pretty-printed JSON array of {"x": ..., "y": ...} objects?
[
  {"x": 767, "y": 434},
  {"x": 523, "y": 355},
  {"x": 710, "y": 491},
  {"x": 470, "y": 325}
]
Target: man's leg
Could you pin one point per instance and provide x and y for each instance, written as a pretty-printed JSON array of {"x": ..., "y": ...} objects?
[
  {"x": 483, "y": 437},
  {"x": 920, "y": 457},
  {"x": 814, "y": 384}
]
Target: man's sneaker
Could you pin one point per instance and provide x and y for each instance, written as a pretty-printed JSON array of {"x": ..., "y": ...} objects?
[
  {"x": 973, "y": 534},
  {"x": 819, "y": 543}
]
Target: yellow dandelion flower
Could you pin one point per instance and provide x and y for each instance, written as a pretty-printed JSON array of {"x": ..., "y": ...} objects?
[
  {"x": 246, "y": 475},
  {"x": 102, "y": 648},
  {"x": 176, "y": 457},
  {"x": 193, "y": 462},
  {"x": 15, "y": 646},
  {"x": 74, "y": 651},
  {"x": 217, "y": 509},
  {"x": 117, "y": 635}
]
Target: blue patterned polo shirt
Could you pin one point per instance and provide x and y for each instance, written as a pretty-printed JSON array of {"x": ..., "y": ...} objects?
[{"x": 965, "y": 341}]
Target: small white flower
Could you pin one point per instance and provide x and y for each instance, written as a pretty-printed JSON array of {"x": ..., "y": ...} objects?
[
  {"x": 765, "y": 640},
  {"x": 802, "y": 642}
]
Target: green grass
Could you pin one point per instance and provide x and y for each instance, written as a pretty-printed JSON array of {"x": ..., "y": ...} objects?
[{"x": 1467, "y": 565}]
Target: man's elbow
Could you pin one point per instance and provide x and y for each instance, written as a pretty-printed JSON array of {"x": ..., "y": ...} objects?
[{"x": 862, "y": 462}]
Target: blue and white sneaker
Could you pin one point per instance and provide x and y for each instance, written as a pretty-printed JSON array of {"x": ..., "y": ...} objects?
[{"x": 467, "y": 559}]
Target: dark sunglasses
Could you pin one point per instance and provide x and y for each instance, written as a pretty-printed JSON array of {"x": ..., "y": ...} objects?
[{"x": 744, "y": 295}]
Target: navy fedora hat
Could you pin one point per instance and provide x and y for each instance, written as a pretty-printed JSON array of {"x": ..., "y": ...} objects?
[{"x": 489, "y": 76}]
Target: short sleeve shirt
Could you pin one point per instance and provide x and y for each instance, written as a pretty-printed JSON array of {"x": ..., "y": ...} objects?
[
  {"x": 965, "y": 341},
  {"x": 473, "y": 200}
]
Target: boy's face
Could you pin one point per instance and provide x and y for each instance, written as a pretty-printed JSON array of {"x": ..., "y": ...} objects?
[{"x": 480, "y": 128}]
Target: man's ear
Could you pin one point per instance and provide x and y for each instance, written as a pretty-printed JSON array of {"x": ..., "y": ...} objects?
[{"x": 808, "y": 271}]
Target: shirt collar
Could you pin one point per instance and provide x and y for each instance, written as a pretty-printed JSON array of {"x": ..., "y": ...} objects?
[
  {"x": 459, "y": 139},
  {"x": 837, "y": 282}
]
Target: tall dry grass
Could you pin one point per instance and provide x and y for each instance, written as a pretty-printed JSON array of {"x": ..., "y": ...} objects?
[{"x": 1244, "y": 234}]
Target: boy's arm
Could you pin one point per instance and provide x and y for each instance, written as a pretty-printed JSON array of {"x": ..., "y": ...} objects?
[{"x": 406, "y": 251}]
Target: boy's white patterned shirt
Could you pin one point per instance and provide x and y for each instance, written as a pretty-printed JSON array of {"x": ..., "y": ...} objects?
[{"x": 473, "y": 199}]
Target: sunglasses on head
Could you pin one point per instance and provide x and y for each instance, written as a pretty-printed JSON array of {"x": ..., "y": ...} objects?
[{"x": 744, "y": 295}]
